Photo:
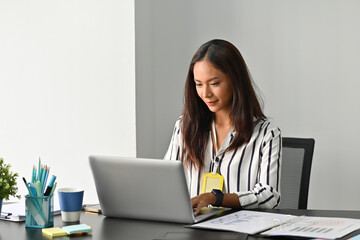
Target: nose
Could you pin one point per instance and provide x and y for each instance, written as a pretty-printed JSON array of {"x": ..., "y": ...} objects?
[{"x": 206, "y": 91}]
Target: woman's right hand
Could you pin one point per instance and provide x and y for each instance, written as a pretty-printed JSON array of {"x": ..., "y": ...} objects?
[{"x": 202, "y": 200}]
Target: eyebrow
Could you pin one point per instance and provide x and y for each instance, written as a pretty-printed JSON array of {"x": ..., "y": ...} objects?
[{"x": 211, "y": 79}]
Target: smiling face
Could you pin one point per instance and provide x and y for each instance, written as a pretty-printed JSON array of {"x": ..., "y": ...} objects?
[{"x": 213, "y": 87}]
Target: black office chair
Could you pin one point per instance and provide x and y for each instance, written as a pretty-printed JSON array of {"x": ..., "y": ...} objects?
[{"x": 297, "y": 156}]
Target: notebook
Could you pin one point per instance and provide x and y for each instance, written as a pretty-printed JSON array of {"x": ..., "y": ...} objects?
[{"x": 149, "y": 189}]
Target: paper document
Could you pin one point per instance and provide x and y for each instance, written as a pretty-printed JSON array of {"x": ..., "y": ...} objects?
[
  {"x": 275, "y": 224},
  {"x": 249, "y": 222},
  {"x": 316, "y": 227}
]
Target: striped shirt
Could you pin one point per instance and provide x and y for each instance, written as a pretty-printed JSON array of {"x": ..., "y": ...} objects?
[{"x": 252, "y": 171}]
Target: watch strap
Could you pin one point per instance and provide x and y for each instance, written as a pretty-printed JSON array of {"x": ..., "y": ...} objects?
[{"x": 219, "y": 197}]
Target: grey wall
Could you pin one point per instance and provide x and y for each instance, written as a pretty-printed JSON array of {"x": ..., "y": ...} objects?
[
  {"x": 161, "y": 62},
  {"x": 303, "y": 55}
]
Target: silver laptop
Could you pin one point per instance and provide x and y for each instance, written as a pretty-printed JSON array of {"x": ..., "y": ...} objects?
[{"x": 149, "y": 189}]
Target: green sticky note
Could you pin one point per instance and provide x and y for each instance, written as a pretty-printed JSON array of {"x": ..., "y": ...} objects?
[{"x": 79, "y": 228}]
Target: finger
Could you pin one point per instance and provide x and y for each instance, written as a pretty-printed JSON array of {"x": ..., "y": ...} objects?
[
  {"x": 195, "y": 205},
  {"x": 194, "y": 202},
  {"x": 196, "y": 212}
]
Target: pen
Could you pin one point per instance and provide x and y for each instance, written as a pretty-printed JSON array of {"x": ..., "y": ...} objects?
[
  {"x": 28, "y": 188},
  {"x": 38, "y": 192},
  {"x": 53, "y": 189},
  {"x": 38, "y": 188},
  {"x": 45, "y": 179},
  {"x": 6, "y": 215},
  {"x": 50, "y": 186},
  {"x": 33, "y": 189}
]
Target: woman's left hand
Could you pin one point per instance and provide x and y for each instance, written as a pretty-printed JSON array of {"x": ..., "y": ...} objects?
[{"x": 202, "y": 200}]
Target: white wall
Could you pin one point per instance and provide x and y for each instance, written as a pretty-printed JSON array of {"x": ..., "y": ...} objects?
[
  {"x": 303, "y": 55},
  {"x": 67, "y": 86}
]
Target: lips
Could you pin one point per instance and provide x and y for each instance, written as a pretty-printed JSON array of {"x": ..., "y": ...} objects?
[{"x": 211, "y": 103}]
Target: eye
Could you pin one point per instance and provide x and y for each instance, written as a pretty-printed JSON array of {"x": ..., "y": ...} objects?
[
  {"x": 198, "y": 84},
  {"x": 215, "y": 84}
]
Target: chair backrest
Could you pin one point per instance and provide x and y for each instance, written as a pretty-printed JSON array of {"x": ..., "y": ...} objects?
[{"x": 297, "y": 154}]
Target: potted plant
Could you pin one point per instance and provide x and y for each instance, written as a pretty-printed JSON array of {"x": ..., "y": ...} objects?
[{"x": 8, "y": 185}]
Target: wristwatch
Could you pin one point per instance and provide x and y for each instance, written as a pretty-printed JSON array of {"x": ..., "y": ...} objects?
[{"x": 219, "y": 197}]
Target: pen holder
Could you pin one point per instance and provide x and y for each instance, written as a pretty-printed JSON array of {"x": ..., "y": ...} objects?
[{"x": 39, "y": 211}]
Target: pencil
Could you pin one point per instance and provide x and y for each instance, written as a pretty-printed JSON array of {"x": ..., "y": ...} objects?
[{"x": 38, "y": 176}]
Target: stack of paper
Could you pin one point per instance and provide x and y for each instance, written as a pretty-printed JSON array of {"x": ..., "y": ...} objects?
[
  {"x": 274, "y": 224},
  {"x": 316, "y": 227}
]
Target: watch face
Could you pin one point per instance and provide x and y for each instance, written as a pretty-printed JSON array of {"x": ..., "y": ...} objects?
[{"x": 217, "y": 192}]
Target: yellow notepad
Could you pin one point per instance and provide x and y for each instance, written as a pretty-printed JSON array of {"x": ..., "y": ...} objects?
[{"x": 54, "y": 232}]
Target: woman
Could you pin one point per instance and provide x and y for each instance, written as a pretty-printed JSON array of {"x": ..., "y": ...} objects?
[{"x": 224, "y": 133}]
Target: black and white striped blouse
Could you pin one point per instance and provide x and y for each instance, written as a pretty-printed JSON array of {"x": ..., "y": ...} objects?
[{"x": 252, "y": 171}]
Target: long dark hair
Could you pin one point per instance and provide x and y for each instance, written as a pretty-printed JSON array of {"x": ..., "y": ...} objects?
[{"x": 245, "y": 113}]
